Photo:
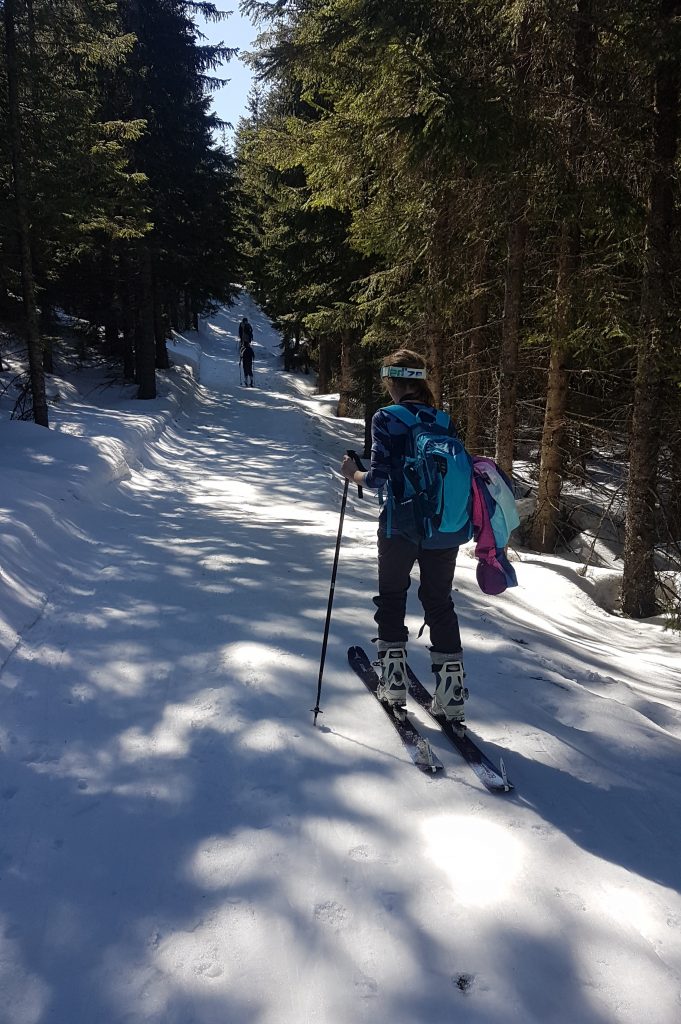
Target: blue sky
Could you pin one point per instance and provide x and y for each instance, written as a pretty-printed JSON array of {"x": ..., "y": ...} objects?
[{"x": 230, "y": 101}]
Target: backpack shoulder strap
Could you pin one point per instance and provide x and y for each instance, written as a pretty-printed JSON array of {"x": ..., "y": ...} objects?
[
  {"x": 442, "y": 419},
  {"x": 400, "y": 413}
]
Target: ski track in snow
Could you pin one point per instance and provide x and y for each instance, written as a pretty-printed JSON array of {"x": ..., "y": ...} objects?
[{"x": 178, "y": 844}]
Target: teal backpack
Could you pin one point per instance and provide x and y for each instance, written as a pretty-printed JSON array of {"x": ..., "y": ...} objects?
[{"x": 436, "y": 495}]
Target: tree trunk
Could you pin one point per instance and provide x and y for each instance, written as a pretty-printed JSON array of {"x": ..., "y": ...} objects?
[
  {"x": 555, "y": 434},
  {"x": 324, "y": 374},
  {"x": 47, "y": 332},
  {"x": 35, "y": 355},
  {"x": 145, "y": 346},
  {"x": 439, "y": 272},
  {"x": 476, "y": 348},
  {"x": 48, "y": 354},
  {"x": 434, "y": 356},
  {"x": 545, "y": 525},
  {"x": 345, "y": 384},
  {"x": 510, "y": 333},
  {"x": 673, "y": 505},
  {"x": 638, "y": 584},
  {"x": 453, "y": 380},
  {"x": 368, "y": 417},
  {"x": 515, "y": 261},
  {"x": 174, "y": 310},
  {"x": 111, "y": 333},
  {"x": 126, "y": 304},
  {"x": 371, "y": 399},
  {"x": 128, "y": 329},
  {"x": 110, "y": 312},
  {"x": 160, "y": 326}
]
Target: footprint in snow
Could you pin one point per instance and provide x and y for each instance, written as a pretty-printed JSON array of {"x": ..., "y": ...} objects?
[
  {"x": 388, "y": 899},
  {"x": 464, "y": 982},
  {"x": 362, "y": 853},
  {"x": 571, "y": 898},
  {"x": 467, "y": 982},
  {"x": 331, "y": 913},
  {"x": 366, "y": 987}
]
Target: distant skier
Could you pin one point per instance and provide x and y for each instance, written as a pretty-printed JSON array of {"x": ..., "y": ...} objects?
[
  {"x": 245, "y": 333},
  {"x": 247, "y": 356},
  {"x": 304, "y": 357},
  {"x": 287, "y": 348}
]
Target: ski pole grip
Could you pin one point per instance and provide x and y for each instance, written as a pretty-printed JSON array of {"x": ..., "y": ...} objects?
[{"x": 355, "y": 457}]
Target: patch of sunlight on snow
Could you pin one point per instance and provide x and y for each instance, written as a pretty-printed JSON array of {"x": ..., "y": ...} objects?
[
  {"x": 219, "y": 562},
  {"x": 265, "y": 736},
  {"x": 224, "y": 485},
  {"x": 174, "y": 791},
  {"x": 627, "y": 908},
  {"x": 162, "y": 742},
  {"x": 480, "y": 859},
  {"x": 220, "y": 860},
  {"x": 254, "y": 655},
  {"x": 209, "y": 959},
  {"x": 170, "y": 738},
  {"x": 122, "y": 678},
  {"x": 214, "y": 329}
]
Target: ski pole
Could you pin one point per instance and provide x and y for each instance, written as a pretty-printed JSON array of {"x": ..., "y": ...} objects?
[
  {"x": 355, "y": 456},
  {"x": 316, "y": 710},
  {"x": 240, "y": 379}
]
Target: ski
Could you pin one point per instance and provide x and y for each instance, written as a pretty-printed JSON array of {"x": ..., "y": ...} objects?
[
  {"x": 416, "y": 745},
  {"x": 493, "y": 778}
]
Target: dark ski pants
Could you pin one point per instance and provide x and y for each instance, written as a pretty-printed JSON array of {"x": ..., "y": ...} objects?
[{"x": 396, "y": 558}]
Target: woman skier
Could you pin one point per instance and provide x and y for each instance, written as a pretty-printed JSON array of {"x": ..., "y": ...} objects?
[{"x": 403, "y": 375}]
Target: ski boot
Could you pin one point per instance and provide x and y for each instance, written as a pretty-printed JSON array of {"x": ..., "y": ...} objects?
[
  {"x": 450, "y": 693},
  {"x": 392, "y": 664}
]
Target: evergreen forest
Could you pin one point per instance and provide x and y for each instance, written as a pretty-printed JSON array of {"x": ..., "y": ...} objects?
[{"x": 491, "y": 182}]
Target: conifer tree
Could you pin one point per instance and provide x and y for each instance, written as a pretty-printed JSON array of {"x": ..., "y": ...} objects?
[
  {"x": 300, "y": 262},
  {"x": 580, "y": 54},
  {"x": 492, "y": 161},
  {"x": 128, "y": 197},
  {"x": 659, "y": 317},
  {"x": 74, "y": 158},
  {"x": 16, "y": 132}
]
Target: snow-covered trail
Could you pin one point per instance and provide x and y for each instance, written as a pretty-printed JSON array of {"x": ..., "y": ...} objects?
[{"x": 180, "y": 846}]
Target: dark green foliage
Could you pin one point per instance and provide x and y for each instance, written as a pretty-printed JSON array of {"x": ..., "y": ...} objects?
[
  {"x": 124, "y": 167},
  {"x": 437, "y": 132}
]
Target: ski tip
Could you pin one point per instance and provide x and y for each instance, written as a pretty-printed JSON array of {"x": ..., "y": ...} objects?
[{"x": 502, "y": 768}]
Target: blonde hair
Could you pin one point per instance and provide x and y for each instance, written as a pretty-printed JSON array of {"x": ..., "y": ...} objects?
[{"x": 420, "y": 389}]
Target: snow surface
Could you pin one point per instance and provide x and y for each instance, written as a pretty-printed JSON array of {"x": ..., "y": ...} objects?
[{"x": 179, "y": 844}]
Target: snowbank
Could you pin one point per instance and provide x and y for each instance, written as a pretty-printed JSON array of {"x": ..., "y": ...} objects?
[
  {"x": 98, "y": 435},
  {"x": 179, "y": 843}
]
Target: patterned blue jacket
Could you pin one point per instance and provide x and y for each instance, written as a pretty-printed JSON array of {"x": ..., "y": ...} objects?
[{"x": 388, "y": 447}]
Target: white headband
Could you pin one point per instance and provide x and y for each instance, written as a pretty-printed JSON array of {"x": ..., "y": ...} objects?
[{"x": 403, "y": 371}]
